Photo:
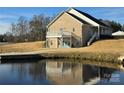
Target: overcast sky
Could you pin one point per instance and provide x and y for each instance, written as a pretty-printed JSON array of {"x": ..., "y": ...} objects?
[{"x": 9, "y": 15}]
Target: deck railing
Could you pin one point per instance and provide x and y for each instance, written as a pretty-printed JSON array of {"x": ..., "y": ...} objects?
[{"x": 58, "y": 34}]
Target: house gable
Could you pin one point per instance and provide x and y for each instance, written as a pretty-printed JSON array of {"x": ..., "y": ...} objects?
[
  {"x": 65, "y": 21},
  {"x": 57, "y": 17},
  {"x": 80, "y": 16}
]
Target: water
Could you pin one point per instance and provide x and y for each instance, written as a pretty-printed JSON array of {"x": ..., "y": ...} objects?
[{"x": 49, "y": 72}]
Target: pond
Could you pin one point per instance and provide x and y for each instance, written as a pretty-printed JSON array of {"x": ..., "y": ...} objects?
[{"x": 60, "y": 72}]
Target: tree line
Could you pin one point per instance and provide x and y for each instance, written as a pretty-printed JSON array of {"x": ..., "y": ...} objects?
[
  {"x": 116, "y": 26},
  {"x": 28, "y": 30},
  {"x": 35, "y": 29}
]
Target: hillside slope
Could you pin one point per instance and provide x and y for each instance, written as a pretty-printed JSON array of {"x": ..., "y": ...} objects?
[
  {"x": 111, "y": 46},
  {"x": 107, "y": 46},
  {"x": 116, "y": 45},
  {"x": 22, "y": 47}
]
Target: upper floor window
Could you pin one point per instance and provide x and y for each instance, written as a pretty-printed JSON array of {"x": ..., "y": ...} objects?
[
  {"x": 103, "y": 29},
  {"x": 61, "y": 29},
  {"x": 73, "y": 29}
]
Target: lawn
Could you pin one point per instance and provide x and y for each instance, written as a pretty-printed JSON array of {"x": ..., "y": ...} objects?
[
  {"x": 102, "y": 50},
  {"x": 22, "y": 47},
  {"x": 107, "y": 46}
]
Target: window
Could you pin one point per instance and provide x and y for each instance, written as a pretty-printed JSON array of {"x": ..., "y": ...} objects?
[
  {"x": 59, "y": 41},
  {"x": 51, "y": 42},
  {"x": 61, "y": 29},
  {"x": 77, "y": 43},
  {"x": 103, "y": 29},
  {"x": 48, "y": 29},
  {"x": 73, "y": 29},
  {"x": 46, "y": 43}
]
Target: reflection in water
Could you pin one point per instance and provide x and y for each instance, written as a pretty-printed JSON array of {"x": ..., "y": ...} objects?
[
  {"x": 64, "y": 73},
  {"x": 37, "y": 71},
  {"x": 75, "y": 73},
  {"x": 90, "y": 74},
  {"x": 56, "y": 72}
]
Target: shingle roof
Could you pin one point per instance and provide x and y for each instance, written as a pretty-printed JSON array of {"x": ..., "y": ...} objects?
[
  {"x": 79, "y": 19},
  {"x": 118, "y": 33},
  {"x": 91, "y": 17}
]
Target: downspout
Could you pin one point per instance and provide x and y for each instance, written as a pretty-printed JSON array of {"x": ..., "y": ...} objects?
[
  {"x": 47, "y": 39},
  {"x": 98, "y": 34},
  {"x": 71, "y": 40},
  {"x": 46, "y": 42},
  {"x": 81, "y": 36},
  {"x": 61, "y": 41}
]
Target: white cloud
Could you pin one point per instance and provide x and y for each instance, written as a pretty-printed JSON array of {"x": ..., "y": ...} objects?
[
  {"x": 8, "y": 16},
  {"x": 5, "y": 22}
]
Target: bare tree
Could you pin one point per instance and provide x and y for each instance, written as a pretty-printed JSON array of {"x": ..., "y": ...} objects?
[
  {"x": 22, "y": 28},
  {"x": 37, "y": 27},
  {"x": 30, "y": 30}
]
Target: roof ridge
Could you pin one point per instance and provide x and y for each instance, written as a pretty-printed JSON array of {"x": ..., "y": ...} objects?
[
  {"x": 78, "y": 18},
  {"x": 90, "y": 17}
]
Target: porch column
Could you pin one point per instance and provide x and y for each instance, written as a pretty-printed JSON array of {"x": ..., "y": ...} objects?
[
  {"x": 70, "y": 41},
  {"x": 46, "y": 43},
  {"x": 61, "y": 41}
]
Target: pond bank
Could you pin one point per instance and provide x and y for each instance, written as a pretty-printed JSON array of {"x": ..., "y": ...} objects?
[
  {"x": 97, "y": 56},
  {"x": 19, "y": 56},
  {"x": 103, "y": 57},
  {"x": 102, "y": 50}
]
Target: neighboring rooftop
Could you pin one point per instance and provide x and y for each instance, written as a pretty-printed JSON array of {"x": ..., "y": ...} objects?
[{"x": 118, "y": 33}]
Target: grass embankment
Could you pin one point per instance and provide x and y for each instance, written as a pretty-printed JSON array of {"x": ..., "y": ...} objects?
[
  {"x": 103, "y": 50},
  {"x": 106, "y": 57},
  {"x": 22, "y": 47}
]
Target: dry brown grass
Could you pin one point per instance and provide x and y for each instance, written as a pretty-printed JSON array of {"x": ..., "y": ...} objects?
[
  {"x": 103, "y": 50},
  {"x": 22, "y": 47},
  {"x": 106, "y": 46},
  {"x": 116, "y": 45}
]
